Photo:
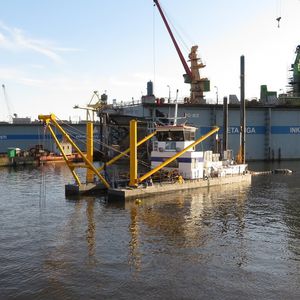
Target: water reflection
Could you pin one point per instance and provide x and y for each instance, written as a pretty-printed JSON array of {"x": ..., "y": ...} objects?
[
  {"x": 211, "y": 243},
  {"x": 91, "y": 227},
  {"x": 134, "y": 251},
  {"x": 62, "y": 259},
  {"x": 291, "y": 218},
  {"x": 190, "y": 220}
]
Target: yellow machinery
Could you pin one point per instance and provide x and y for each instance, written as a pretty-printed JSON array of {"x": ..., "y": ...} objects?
[
  {"x": 92, "y": 171},
  {"x": 88, "y": 158},
  {"x": 51, "y": 120}
]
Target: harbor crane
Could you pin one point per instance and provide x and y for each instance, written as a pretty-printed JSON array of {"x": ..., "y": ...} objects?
[
  {"x": 6, "y": 101},
  {"x": 192, "y": 74},
  {"x": 98, "y": 107}
]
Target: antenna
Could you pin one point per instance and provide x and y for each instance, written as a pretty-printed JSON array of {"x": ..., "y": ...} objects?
[{"x": 176, "y": 109}]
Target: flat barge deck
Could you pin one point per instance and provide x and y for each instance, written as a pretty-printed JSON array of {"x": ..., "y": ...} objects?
[{"x": 163, "y": 188}]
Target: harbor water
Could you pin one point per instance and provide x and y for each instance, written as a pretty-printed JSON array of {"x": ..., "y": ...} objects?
[{"x": 231, "y": 242}]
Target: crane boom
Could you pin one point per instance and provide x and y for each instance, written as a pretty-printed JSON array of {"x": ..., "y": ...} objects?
[
  {"x": 192, "y": 76},
  {"x": 183, "y": 61}
]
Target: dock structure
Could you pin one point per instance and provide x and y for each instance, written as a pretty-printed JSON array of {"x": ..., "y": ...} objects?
[{"x": 124, "y": 194}]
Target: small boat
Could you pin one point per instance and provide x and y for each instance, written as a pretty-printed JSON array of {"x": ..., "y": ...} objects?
[{"x": 52, "y": 157}]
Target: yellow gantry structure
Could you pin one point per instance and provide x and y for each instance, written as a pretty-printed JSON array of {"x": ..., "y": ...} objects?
[
  {"x": 88, "y": 158},
  {"x": 51, "y": 119}
]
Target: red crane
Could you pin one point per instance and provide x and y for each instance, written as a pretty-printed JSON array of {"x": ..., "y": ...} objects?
[{"x": 192, "y": 76}]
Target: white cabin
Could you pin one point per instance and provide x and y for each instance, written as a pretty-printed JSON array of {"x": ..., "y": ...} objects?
[
  {"x": 192, "y": 164},
  {"x": 66, "y": 146},
  {"x": 172, "y": 139}
]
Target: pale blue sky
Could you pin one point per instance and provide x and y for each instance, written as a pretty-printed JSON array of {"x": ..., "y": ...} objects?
[{"x": 55, "y": 53}]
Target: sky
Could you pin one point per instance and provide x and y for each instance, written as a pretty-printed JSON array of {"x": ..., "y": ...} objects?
[{"x": 55, "y": 53}]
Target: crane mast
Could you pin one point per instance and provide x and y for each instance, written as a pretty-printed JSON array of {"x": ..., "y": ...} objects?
[{"x": 192, "y": 76}]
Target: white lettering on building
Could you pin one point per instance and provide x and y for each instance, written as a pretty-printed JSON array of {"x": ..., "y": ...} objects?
[
  {"x": 189, "y": 115},
  {"x": 235, "y": 130},
  {"x": 295, "y": 130},
  {"x": 250, "y": 130}
]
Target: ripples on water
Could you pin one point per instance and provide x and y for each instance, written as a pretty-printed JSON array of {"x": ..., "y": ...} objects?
[{"x": 232, "y": 242}]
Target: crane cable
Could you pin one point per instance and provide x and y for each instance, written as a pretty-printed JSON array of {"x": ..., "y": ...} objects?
[
  {"x": 153, "y": 49},
  {"x": 172, "y": 22}
]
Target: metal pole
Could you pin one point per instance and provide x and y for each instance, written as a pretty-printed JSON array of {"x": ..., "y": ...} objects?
[
  {"x": 169, "y": 99},
  {"x": 225, "y": 124},
  {"x": 176, "y": 109},
  {"x": 243, "y": 110},
  {"x": 217, "y": 94}
]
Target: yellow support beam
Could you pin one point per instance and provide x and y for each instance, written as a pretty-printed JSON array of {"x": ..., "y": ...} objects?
[
  {"x": 163, "y": 164},
  {"x": 133, "y": 153},
  {"x": 89, "y": 150},
  {"x": 51, "y": 118},
  {"x": 116, "y": 158},
  {"x": 64, "y": 155}
]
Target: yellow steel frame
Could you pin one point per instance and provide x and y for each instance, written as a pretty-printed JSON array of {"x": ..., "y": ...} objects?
[
  {"x": 51, "y": 119},
  {"x": 133, "y": 154},
  {"x": 116, "y": 158},
  {"x": 89, "y": 150},
  {"x": 166, "y": 162}
]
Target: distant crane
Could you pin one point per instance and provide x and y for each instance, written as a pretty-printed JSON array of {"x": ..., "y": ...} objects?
[
  {"x": 278, "y": 19},
  {"x": 192, "y": 76},
  {"x": 7, "y": 101},
  {"x": 98, "y": 107}
]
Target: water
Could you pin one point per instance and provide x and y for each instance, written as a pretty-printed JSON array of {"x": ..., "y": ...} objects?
[{"x": 238, "y": 242}]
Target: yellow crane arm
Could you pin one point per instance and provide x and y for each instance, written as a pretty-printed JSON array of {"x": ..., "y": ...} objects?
[{"x": 63, "y": 154}]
